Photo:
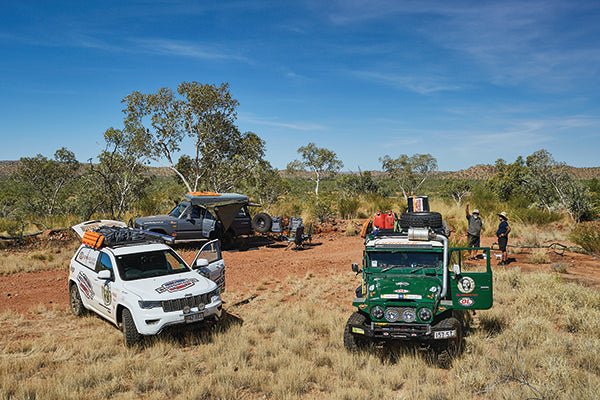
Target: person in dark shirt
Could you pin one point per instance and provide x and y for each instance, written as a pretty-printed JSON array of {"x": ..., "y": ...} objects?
[
  {"x": 475, "y": 224},
  {"x": 502, "y": 234}
]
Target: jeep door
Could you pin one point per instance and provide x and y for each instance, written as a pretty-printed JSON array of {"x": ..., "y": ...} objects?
[
  {"x": 472, "y": 287},
  {"x": 189, "y": 224},
  {"x": 215, "y": 270},
  {"x": 86, "y": 277},
  {"x": 103, "y": 296}
]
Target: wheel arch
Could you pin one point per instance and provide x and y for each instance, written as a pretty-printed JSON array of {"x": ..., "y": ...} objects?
[
  {"x": 158, "y": 230},
  {"x": 119, "y": 313}
]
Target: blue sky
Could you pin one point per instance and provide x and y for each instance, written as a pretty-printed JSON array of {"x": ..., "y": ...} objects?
[{"x": 467, "y": 81}]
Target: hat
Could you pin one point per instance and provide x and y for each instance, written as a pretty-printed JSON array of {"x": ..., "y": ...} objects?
[
  {"x": 475, "y": 211},
  {"x": 503, "y": 215}
]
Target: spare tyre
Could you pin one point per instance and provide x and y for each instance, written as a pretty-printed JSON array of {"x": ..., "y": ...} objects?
[
  {"x": 431, "y": 220},
  {"x": 262, "y": 222}
]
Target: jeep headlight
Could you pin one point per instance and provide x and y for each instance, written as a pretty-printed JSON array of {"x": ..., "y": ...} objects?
[
  {"x": 392, "y": 314},
  {"x": 425, "y": 314},
  {"x": 409, "y": 315},
  {"x": 149, "y": 304},
  {"x": 377, "y": 312}
]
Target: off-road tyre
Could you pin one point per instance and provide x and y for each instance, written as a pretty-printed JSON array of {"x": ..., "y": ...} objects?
[
  {"x": 452, "y": 348},
  {"x": 354, "y": 342},
  {"x": 431, "y": 220},
  {"x": 262, "y": 223},
  {"x": 77, "y": 307},
  {"x": 130, "y": 333}
]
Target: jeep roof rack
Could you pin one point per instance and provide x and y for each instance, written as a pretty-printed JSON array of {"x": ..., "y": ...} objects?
[{"x": 117, "y": 236}]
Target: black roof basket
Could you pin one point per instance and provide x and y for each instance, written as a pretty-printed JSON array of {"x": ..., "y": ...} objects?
[{"x": 118, "y": 236}]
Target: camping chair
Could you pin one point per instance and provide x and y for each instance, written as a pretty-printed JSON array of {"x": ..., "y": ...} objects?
[{"x": 298, "y": 234}]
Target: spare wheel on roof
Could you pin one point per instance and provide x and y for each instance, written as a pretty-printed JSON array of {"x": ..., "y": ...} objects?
[{"x": 431, "y": 220}]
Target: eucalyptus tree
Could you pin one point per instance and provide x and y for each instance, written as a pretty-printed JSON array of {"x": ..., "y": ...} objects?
[
  {"x": 409, "y": 172},
  {"x": 193, "y": 132},
  {"x": 319, "y": 161}
]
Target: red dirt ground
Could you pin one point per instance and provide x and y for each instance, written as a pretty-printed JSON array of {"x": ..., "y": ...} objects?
[{"x": 330, "y": 253}]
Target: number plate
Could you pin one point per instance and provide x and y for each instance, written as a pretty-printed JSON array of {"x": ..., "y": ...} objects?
[
  {"x": 194, "y": 317},
  {"x": 444, "y": 334}
]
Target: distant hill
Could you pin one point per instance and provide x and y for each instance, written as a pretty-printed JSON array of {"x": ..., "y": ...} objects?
[
  {"x": 486, "y": 171},
  {"x": 477, "y": 172}
]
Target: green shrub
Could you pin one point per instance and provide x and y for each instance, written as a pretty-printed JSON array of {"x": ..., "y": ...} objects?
[
  {"x": 587, "y": 235},
  {"x": 535, "y": 216},
  {"x": 348, "y": 207},
  {"x": 11, "y": 227}
]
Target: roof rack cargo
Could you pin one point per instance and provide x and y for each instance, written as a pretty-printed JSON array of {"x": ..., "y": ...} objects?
[{"x": 115, "y": 236}]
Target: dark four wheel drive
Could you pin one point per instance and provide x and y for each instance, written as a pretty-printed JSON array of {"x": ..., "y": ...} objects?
[
  {"x": 417, "y": 289},
  {"x": 206, "y": 215}
]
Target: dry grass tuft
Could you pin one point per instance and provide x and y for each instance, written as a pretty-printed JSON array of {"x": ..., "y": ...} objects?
[
  {"x": 52, "y": 256},
  {"x": 351, "y": 229},
  {"x": 539, "y": 256},
  {"x": 539, "y": 341},
  {"x": 559, "y": 267}
]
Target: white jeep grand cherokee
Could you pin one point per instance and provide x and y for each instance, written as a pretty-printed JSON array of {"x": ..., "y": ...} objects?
[{"x": 143, "y": 287}]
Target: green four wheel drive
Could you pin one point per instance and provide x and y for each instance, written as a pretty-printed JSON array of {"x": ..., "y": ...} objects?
[{"x": 417, "y": 289}]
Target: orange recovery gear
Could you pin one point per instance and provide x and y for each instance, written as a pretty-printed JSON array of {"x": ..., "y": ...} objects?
[{"x": 93, "y": 239}]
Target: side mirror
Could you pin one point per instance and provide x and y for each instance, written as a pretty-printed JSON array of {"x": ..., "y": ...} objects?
[
  {"x": 201, "y": 262},
  {"x": 105, "y": 275},
  {"x": 355, "y": 268},
  {"x": 456, "y": 269}
]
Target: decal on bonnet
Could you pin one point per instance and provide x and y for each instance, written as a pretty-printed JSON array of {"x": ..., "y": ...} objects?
[{"x": 176, "y": 285}]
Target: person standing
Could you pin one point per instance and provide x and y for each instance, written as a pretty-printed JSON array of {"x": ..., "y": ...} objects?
[
  {"x": 475, "y": 225},
  {"x": 502, "y": 234}
]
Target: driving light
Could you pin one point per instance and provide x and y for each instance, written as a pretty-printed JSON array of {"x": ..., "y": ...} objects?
[
  {"x": 409, "y": 315},
  {"x": 392, "y": 314},
  {"x": 377, "y": 312},
  {"x": 425, "y": 314}
]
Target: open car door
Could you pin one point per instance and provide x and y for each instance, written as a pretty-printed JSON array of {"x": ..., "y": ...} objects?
[
  {"x": 214, "y": 266},
  {"x": 472, "y": 287}
]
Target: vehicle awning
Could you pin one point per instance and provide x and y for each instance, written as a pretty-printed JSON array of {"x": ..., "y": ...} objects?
[{"x": 224, "y": 205}]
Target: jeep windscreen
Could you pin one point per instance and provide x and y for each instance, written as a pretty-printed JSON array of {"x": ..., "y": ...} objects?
[
  {"x": 150, "y": 264},
  {"x": 178, "y": 210},
  {"x": 412, "y": 261}
]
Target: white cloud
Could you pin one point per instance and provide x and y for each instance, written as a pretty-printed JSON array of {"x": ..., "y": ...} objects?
[
  {"x": 417, "y": 84},
  {"x": 513, "y": 42},
  {"x": 297, "y": 126},
  {"x": 185, "y": 49}
]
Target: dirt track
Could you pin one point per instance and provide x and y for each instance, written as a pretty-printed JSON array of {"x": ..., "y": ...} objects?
[{"x": 330, "y": 254}]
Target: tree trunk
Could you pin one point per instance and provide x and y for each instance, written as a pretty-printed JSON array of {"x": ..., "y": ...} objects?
[{"x": 317, "y": 182}]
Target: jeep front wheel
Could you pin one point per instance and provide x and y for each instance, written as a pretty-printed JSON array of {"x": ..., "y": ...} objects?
[
  {"x": 452, "y": 348},
  {"x": 352, "y": 341},
  {"x": 77, "y": 307},
  {"x": 130, "y": 332}
]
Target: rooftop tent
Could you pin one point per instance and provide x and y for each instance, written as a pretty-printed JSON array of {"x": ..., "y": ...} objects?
[{"x": 224, "y": 205}]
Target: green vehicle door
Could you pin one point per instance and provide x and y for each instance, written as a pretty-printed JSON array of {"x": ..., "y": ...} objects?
[{"x": 471, "y": 288}]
